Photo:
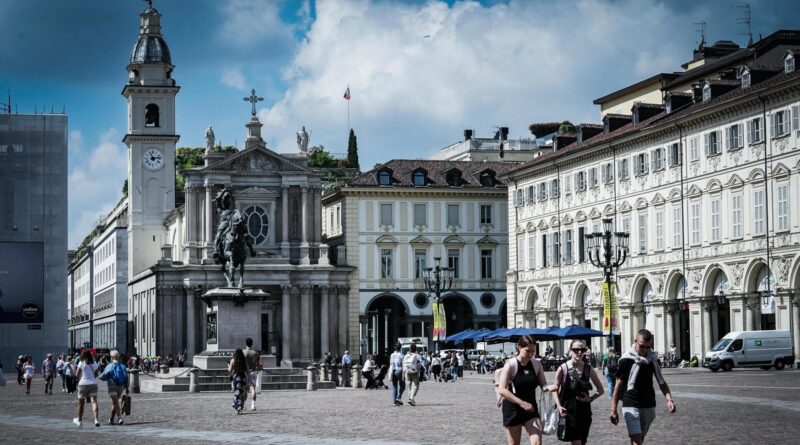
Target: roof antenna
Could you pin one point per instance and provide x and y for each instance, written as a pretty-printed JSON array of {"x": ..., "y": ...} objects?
[
  {"x": 702, "y": 31},
  {"x": 745, "y": 21}
]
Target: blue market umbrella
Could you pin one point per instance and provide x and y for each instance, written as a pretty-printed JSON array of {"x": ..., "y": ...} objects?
[
  {"x": 497, "y": 334},
  {"x": 478, "y": 335},
  {"x": 458, "y": 337},
  {"x": 574, "y": 331}
]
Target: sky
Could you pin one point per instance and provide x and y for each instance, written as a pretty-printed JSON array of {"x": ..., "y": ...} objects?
[{"x": 419, "y": 72}]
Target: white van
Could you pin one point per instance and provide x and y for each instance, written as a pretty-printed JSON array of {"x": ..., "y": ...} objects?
[{"x": 764, "y": 349}]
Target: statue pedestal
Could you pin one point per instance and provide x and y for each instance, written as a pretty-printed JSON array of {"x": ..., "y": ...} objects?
[{"x": 230, "y": 319}]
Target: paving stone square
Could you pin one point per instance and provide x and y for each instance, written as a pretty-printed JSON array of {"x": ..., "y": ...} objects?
[{"x": 743, "y": 406}]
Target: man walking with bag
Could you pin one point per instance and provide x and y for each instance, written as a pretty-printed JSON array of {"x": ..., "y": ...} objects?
[
  {"x": 49, "y": 373},
  {"x": 116, "y": 374},
  {"x": 412, "y": 365},
  {"x": 634, "y": 386},
  {"x": 396, "y": 369}
]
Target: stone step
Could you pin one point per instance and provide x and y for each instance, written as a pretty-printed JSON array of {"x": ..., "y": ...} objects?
[
  {"x": 226, "y": 387},
  {"x": 226, "y": 379}
]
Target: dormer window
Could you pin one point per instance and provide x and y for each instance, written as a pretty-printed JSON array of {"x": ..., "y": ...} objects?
[
  {"x": 418, "y": 178},
  {"x": 706, "y": 92},
  {"x": 788, "y": 63},
  {"x": 487, "y": 178},
  {"x": 384, "y": 178},
  {"x": 745, "y": 79},
  {"x": 453, "y": 178}
]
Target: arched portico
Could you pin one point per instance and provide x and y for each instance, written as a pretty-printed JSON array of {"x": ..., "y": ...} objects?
[
  {"x": 716, "y": 292},
  {"x": 383, "y": 323},
  {"x": 678, "y": 326},
  {"x": 459, "y": 312}
]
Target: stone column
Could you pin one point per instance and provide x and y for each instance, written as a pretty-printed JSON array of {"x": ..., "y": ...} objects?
[
  {"x": 304, "y": 259},
  {"x": 324, "y": 325},
  {"x": 796, "y": 323},
  {"x": 285, "y": 221},
  {"x": 191, "y": 325},
  {"x": 670, "y": 324},
  {"x": 286, "y": 333},
  {"x": 706, "y": 327},
  {"x": 190, "y": 251},
  {"x": 306, "y": 330},
  {"x": 209, "y": 251},
  {"x": 748, "y": 314},
  {"x": 342, "y": 296}
]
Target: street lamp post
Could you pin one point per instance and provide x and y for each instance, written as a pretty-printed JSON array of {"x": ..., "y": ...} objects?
[
  {"x": 608, "y": 250},
  {"x": 437, "y": 280}
]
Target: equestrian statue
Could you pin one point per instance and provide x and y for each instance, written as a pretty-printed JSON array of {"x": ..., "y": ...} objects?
[{"x": 231, "y": 239}]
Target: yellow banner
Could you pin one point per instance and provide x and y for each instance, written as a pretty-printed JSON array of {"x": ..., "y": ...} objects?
[
  {"x": 442, "y": 323},
  {"x": 610, "y": 309},
  {"x": 435, "y": 322}
]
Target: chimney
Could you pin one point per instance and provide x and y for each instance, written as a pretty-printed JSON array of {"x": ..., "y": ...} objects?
[{"x": 467, "y": 135}]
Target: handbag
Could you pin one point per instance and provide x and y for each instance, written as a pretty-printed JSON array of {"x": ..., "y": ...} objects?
[
  {"x": 549, "y": 415},
  {"x": 126, "y": 405}
]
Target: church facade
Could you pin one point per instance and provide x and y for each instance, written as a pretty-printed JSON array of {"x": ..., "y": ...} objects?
[{"x": 171, "y": 243}]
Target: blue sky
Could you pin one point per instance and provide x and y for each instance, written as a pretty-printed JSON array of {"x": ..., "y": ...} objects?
[{"x": 484, "y": 64}]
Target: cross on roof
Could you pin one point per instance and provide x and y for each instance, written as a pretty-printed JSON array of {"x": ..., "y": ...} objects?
[{"x": 253, "y": 99}]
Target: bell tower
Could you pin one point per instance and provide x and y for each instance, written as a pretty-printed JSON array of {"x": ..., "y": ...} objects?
[{"x": 150, "y": 94}]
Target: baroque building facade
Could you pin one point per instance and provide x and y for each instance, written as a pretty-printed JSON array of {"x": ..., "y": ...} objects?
[
  {"x": 705, "y": 183},
  {"x": 393, "y": 222}
]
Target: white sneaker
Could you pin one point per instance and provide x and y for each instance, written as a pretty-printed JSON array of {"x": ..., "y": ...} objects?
[
  {"x": 253, "y": 406},
  {"x": 76, "y": 422},
  {"x": 96, "y": 422}
]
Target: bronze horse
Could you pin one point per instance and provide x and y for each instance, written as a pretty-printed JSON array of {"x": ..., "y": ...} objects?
[{"x": 231, "y": 239}]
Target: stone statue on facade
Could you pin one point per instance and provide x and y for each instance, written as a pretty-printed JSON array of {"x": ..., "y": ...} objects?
[
  {"x": 302, "y": 140},
  {"x": 231, "y": 239},
  {"x": 209, "y": 139}
]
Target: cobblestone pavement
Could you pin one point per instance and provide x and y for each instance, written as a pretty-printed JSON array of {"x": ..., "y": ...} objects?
[{"x": 731, "y": 408}]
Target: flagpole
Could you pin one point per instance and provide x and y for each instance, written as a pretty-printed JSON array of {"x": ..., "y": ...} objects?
[{"x": 348, "y": 112}]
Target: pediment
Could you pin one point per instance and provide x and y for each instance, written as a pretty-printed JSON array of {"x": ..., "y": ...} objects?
[
  {"x": 554, "y": 222},
  {"x": 566, "y": 219},
  {"x": 657, "y": 200},
  {"x": 625, "y": 207},
  {"x": 735, "y": 182},
  {"x": 255, "y": 159},
  {"x": 454, "y": 241},
  {"x": 530, "y": 227},
  {"x": 487, "y": 241},
  {"x": 595, "y": 214},
  {"x": 756, "y": 175},
  {"x": 580, "y": 216},
  {"x": 520, "y": 228},
  {"x": 542, "y": 225},
  {"x": 387, "y": 240},
  {"x": 780, "y": 170},
  {"x": 420, "y": 241},
  {"x": 675, "y": 195},
  {"x": 260, "y": 191},
  {"x": 609, "y": 210},
  {"x": 713, "y": 186},
  {"x": 694, "y": 191},
  {"x": 641, "y": 203}
]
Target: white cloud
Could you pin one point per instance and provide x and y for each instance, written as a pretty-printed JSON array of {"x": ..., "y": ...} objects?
[
  {"x": 95, "y": 183},
  {"x": 507, "y": 64},
  {"x": 249, "y": 22},
  {"x": 234, "y": 78}
]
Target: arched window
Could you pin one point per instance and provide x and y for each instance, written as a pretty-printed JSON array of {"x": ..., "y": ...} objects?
[{"x": 151, "y": 116}]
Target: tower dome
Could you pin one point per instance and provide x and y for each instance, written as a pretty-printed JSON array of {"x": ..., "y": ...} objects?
[{"x": 150, "y": 47}]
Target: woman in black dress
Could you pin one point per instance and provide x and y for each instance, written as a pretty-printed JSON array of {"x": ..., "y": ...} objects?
[
  {"x": 237, "y": 368},
  {"x": 573, "y": 382},
  {"x": 517, "y": 385}
]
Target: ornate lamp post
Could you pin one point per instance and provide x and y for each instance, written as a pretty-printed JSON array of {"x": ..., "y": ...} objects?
[
  {"x": 608, "y": 250},
  {"x": 437, "y": 280}
]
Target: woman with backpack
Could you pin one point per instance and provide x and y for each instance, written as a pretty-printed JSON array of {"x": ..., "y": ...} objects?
[
  {"x": 609, "y": 368},
  {"x": 516, "y": 386},
  {"x": 573, "y": 382}
]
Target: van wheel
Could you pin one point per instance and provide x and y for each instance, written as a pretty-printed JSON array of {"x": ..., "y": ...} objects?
[
  {"x": 766, "y": 368},
  {"x": 727, "y": 366},
  {"x": 779, "y": 365}
]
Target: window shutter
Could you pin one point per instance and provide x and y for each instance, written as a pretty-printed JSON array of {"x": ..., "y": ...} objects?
[
  {"x": 774, "y": 124},
  {"x": 653, "y": 161},
  {"x": 706, "y": 138},
  {"x": 740, "y": 140},
  {"x": 749, "y": 129},
  {"x": 795, "y": 118},
  {"x": 644, "y": 163},
  {"x": 728, "y": 138},
  {"x": 567, "y": 184}
]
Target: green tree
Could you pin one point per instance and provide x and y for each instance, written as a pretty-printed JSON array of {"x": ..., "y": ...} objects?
[
  {"x": 352, "y": 150},
  {"x": 186, "y": 157},
  {"x": 321, "y": 159}
]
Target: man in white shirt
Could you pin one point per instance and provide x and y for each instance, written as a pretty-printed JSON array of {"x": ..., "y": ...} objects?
[{"x": 412, "y": 366}]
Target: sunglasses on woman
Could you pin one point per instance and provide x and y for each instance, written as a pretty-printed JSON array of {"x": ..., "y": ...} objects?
[{"x": 578, "y": 350}]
